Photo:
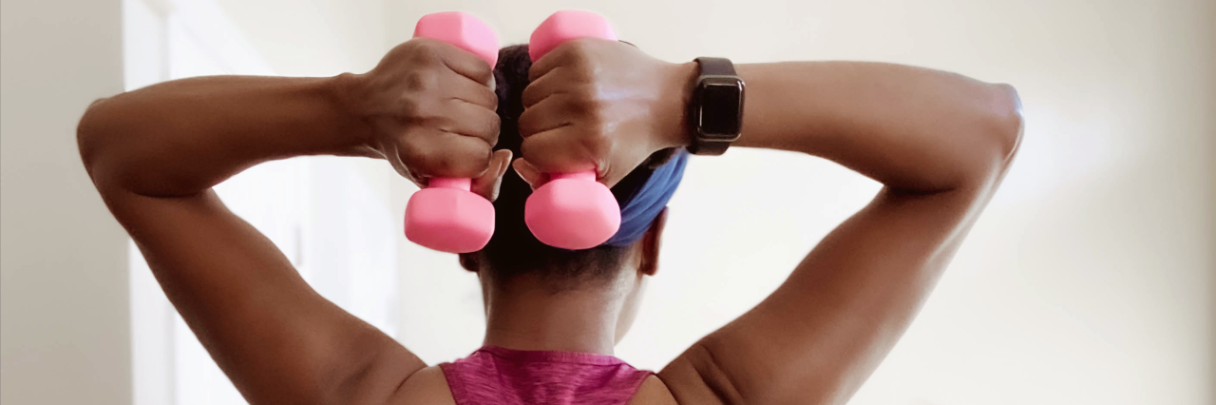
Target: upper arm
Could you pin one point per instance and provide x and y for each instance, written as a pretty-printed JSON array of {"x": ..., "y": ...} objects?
[
  {"x": 276, "y": 339},
  {"x": 821, "y": 333}
]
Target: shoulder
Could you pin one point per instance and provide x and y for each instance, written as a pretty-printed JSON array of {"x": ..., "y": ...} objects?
[
  {"x": 653, "y": 392},
  {"x": 426, "y": 386}
]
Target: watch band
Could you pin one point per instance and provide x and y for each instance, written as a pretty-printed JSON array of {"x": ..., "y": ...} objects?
[
  {"x": 707, "y": 147},
  {"x": 716, "y": 66},
  {"x": 701, "y": 145}
]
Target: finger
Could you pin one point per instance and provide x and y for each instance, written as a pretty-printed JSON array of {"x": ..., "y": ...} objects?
[
  {"x": 568, "y": 53},
  {"x": 471, "y": 120},
  {"x": 554, "y": 112},
  {"x": 464, "y": 89},
  {"x": 434, "y": 153},
  {"x": 563, "y": 150},
  {"x": 529, "y": 174},
  {"x": 465, "y": 63},
  {"x": 546, "y": 63},
  {"x": 394, "y": 159},
  {"x": 555, "y": 82},
  {"x": 489, "y": 183}
]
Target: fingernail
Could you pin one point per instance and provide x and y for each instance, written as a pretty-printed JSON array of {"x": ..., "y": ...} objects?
[{"x": 502, "y": 166}]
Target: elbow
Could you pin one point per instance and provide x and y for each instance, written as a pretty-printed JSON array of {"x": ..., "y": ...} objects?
[
  {"x": 995, "y": 134},
  {"x": 91, "y": 135},
  {"x": 1005, "y": 124}
]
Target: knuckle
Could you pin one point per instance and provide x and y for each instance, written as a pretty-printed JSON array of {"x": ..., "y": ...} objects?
[
  {"x": 421, "y": 80},
  {"x": 425, "y": 51},
  {"x": 529, "y": 148},
  {"x": 580, "y": 50},
  {"x": 582, "y": 59},
  {"x": 491, "y": 98},
  {"x": 526, "y": 123},
  {"x": 530, "y": 95},
  {"x": 483, "y": 72},
  {"x": 483, "y": 124},
  {"x": 493, "y": 129},
  {"x": 402, "y": 50},
  {"x": 479, "y": 96}
]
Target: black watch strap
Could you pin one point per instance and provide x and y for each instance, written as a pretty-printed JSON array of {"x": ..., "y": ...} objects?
[
  {"x": 707, "y": 147},
  {"x": 716, "y": 66},
  {"x": 702, "y": 145}
]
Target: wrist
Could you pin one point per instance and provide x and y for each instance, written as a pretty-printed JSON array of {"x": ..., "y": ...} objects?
[
  {"x": 676, "y": 131},
  {"x": 345, "y": 92}
]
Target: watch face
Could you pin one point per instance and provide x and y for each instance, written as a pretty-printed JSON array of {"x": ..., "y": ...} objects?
[{"x": 721, "y": 116}]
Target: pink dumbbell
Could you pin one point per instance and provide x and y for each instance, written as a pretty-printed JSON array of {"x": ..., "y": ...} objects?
[
  {"x": 573, "y": 210},
  {"x": 446, "y": 215}
]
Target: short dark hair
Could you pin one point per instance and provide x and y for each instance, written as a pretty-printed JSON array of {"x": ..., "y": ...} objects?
[{"x": 513, "y": 250}]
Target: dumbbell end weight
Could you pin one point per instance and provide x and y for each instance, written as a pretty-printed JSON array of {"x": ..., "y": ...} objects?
[
  {"x": 572, "y": 211},
  {"x": 566, "y": 25},
  {"x": 447, "y": 217},
  {"x": 460, "y": 29}
]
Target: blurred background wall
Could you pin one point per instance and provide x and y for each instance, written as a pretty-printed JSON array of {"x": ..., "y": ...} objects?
[
  {"x": 63, "y": 263},
  {"x": 1090, "y": 278}
]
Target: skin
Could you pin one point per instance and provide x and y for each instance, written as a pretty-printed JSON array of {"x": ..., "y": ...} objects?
[{"x": 939, "y": 143}]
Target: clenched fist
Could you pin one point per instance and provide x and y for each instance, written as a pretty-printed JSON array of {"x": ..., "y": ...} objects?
[
  {"x": 431, "y": 107},
  {"x": 600, "y": 105}
]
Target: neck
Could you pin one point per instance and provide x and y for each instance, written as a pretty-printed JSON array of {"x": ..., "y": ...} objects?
[{"x": 524, "y": 315}]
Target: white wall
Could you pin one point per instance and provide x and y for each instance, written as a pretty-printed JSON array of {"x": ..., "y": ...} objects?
[
  {"x": 312, "y": 37},
  {"x": 1088, "y": 280},
  {"x": 318, "y": 38},
  {"x": 63, "y": 277}
]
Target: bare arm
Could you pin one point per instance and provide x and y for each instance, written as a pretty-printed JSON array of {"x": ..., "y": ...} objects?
[
  {"x": 155, "y": 153},
  {"x": 940, "y": 144}
]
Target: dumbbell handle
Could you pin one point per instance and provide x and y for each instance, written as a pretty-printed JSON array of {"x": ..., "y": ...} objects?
[
  {"x": 459, "y": 183},
  {"x": 446, "y": 215},
  {"x": 573, "y": 210},
  {"x": 459, "y": 36}
]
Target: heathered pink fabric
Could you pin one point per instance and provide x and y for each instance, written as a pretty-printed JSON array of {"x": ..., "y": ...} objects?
[{"x": 498, "y": 376}]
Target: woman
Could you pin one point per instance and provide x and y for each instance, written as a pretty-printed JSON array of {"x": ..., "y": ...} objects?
[{"x": 940, "y": 144}]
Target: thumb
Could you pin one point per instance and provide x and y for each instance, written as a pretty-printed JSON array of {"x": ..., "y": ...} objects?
[
  {"x": 529, "y": 173},
  {"x": 488, "y": 184}
]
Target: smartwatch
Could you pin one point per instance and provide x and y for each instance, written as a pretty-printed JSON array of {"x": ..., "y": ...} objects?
[{"x": 716, "y": 107}]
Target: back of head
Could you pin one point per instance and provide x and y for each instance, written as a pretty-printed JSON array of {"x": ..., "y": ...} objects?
[{"x": 513, "y": 250}]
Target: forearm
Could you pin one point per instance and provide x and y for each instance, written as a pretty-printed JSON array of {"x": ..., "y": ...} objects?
[
  {"x": 913, "y": 129},
  {"x": 184, "y": 136}
]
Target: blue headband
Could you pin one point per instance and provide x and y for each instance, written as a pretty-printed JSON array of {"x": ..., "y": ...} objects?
[{"x": 643, "y": 205}]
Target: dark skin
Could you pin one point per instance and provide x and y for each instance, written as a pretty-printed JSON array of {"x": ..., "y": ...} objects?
[{"x": 939, "y": 143}]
